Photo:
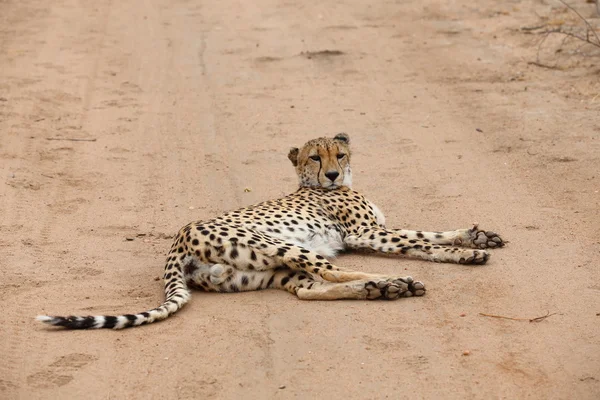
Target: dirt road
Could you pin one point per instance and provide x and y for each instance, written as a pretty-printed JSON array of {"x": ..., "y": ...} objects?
[{"x": 188, "y": 108}]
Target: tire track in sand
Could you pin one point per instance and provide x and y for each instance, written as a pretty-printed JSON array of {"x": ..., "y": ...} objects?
[{"x": 47, "y": 105}]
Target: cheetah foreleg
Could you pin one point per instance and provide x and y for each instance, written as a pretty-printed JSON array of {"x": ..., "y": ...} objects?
[
  {"x": 397, "y": 242},
  {"x": 473, "y": 237}
]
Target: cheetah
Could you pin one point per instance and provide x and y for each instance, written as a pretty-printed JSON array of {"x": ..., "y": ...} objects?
[{"x": 286, "y": 243}]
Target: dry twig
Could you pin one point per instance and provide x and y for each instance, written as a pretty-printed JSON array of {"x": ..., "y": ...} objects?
[
  {"x": 539, "y": 64},
  {"x": 589, "y": 38},
  {"x": 536, "y": 319},
  {"x": 72, "y": 139},
  {"x": 585, "y": 21}
]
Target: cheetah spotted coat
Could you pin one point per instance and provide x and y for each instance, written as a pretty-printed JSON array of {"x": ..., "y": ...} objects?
[{"x": 286, "y": 243}]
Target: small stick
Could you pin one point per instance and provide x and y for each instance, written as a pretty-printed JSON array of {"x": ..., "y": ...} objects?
[
  {"x": 543, "y": 317},
  {"x": 72, "y": 139},
  {"x": 532, "y": 28},
  {"x": 539, "y": 64},
  {"x": 536, "y": 319}
]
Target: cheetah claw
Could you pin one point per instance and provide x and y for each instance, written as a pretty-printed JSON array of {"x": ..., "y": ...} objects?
[
  {"x": 484, "y": 239},
  {"x": 394, "y": 288}
]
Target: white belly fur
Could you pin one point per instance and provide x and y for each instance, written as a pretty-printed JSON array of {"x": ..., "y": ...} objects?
[{"x": 327, "y": 244}]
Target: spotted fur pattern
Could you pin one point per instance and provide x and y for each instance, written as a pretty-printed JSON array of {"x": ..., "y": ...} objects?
[{"x": 286, "y": 243}]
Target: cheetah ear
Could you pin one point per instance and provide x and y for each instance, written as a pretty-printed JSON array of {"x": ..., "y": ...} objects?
[
  {"x": 342, "y": 137},
  {"x": 293, "y": 156}
]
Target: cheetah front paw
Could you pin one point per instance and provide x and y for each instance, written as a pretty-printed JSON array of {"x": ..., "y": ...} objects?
[
  {"x": 484, "y": 239},
  {"x": 394, "y": 288},
  {"x": 476, "y": 257}
]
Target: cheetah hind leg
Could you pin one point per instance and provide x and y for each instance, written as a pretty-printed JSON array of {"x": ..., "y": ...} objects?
[
  {"x": 385, "y": 288},
  {"x": 305, "y": 285}
]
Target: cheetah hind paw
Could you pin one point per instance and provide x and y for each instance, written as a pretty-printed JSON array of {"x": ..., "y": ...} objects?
[
  {"x": 394, "y": 288},
  {"x": 485, "y": 239},
  {"x": 218, "y": 274}
]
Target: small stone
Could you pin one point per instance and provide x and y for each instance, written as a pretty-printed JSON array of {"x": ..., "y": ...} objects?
[
  {"x": 463, "y": 315},
  {"x": 157, "y": 278},
  {"x": 466, "y": 353},
  {"x": 247, "y": 190},
  {"x": 129, "y": 238},
  {"x": 479, "y": 130},
  {"x": 281, "y": 386}
]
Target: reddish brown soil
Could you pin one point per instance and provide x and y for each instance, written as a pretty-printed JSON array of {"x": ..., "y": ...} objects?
[{"x": 193, "y": 105}]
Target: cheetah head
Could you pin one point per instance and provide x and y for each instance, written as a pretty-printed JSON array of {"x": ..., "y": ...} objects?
[{"x": 323, "y": 162}]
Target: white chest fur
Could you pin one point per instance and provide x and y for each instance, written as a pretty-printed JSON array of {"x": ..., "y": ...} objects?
[
  {"x": 326, "y": 243},
  {"x": 325, "y": 240}
]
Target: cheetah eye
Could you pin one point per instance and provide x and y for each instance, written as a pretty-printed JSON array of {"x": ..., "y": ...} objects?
[
  {"x": 315, "y": 158},
  {"x": 340, "y": 156}
]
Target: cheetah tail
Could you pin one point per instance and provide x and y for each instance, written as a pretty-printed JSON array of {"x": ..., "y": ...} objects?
[{"x": 176, "y": 299}]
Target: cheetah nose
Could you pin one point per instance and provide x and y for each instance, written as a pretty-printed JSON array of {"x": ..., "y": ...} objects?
[{"x": 332, "y": 175}]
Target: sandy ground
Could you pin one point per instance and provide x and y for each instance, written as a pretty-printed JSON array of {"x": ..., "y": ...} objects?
[{"x": 192, "y": 106}]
